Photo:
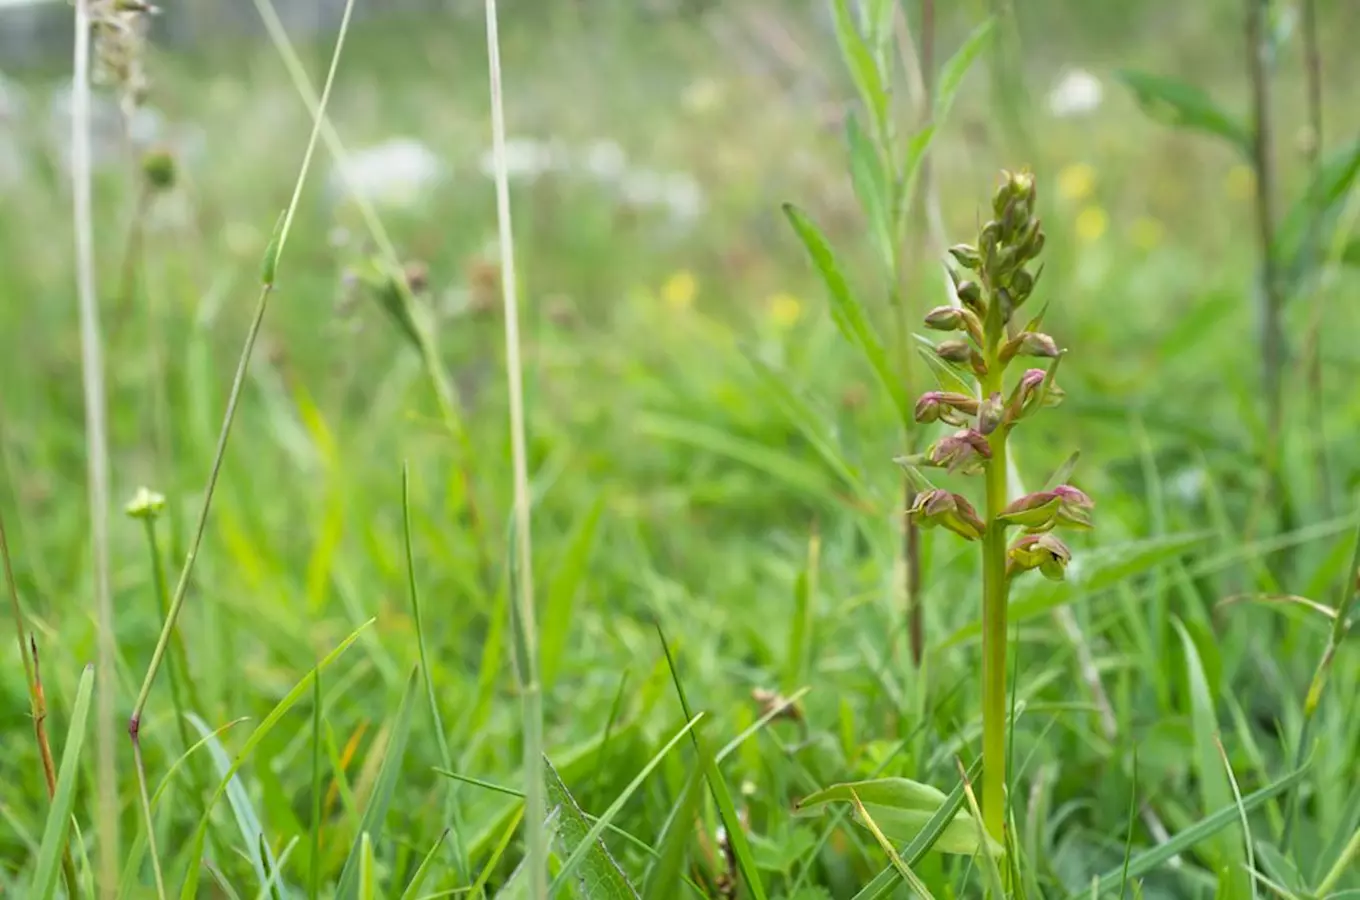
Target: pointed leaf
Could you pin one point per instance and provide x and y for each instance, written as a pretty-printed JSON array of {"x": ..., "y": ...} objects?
[
  {"x": 1181, "y": 105},
  {"x": 860, "y": 61},
  {"x": 902, "y": 808},
  {"x": 45, "y": 870},
  {"x": 846, "y": 310},
  {"x": 871, "y": 187}
]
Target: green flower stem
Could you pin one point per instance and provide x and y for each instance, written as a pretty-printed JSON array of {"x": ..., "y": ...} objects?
[{"x": 994, "y": 588}]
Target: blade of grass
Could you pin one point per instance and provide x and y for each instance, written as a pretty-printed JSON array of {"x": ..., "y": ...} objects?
[
  {"x": 588, "y": 842},
  {"x": 727, "y": 810},
  {"x": 451, "y": 808},
  {"x": 564, "y": 588},
  {"x": 314, "y": 868},
  {"x": 902, "y": 868},
  {"x": 1242, "y": 813},
  {"x": 675, "y": 836},
  {"x": 375, "y": 813},
  {"x": 190, "y": 888},
  {"x": 43, "y": 886},
  {"x": 423, "y": 870},
  {"x": 1149, "y": 860}
]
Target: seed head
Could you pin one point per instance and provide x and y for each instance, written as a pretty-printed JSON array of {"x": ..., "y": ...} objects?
[{"x": 145, "y": 504}]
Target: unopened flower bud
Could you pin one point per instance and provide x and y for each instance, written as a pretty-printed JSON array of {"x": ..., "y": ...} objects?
[
  {"x": 1022, "y": 285},
  {"x": 945, "y": 318},
  {"x": 965, "y": 451},
  {"x": 1044, "y": 552},
  {"x": 1028, "y": 236},
  {"x": 1030, "y": 343},
  {"x": 966, "y": 255},
  {"x": 145, "y": 504},
  {"x": 945, "y": 406},
  {"x": 939, "y": 508},
  {"x": 954, "y": 351},
  {"x": 1015, "y": 219},
  {"x": 990, "y": 414},
  {"x": 158, "y": 168}
]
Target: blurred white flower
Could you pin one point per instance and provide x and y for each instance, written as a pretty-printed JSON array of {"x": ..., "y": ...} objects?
[
  {"x": 1188, "y": 485},
  {"x": 397, "y": 172},
  {"x": 1077, "y": 93},
  {"x": 675, "y": 192},
  {"x": 606, "y": 161},
  {"x": 527, "y": 159}
]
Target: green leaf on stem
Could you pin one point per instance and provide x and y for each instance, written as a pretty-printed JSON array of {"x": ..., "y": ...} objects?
[{"x": 1180, "y": 105}]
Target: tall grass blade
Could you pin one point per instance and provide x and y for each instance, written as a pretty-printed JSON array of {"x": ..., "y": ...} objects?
[
  {"x": 48, "y": 863},
  {"x": 722, "y": 796},
  {"x": 375, "y": 813},
  {"x": 1150, "y": 860}
]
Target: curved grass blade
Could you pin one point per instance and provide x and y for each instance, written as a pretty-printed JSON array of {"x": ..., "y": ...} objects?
[
  {"x": 1181, "y": 105},
  {"x": 375, "y": 813},
  {"x": 48, "y": 865},
  {"x": 1205, "y": 828},
  {"x": 190, "y": 888},
  {"x": 599, "y": 869},
  {"x": 722, "y": 796},
  {"x": 423, "y": 870},
  {"x": 846, "y": 310},
  {"x": 887, "y": 880}
]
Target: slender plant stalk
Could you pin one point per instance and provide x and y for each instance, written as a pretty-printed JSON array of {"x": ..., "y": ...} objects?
[
  {"x": 96, "y": 456},
  {"x": 1272, "y": 300},
  {"x": 987, "y": 317},
  {"x": 272, "y": 254},
  {"x": 1312, "y": 57},
  {"x": 20, "y": 631},
  {"x": 530, "y": 691},
  {"x": 995, "y": 584},
  {"x": 148, "y": 821},
  {"x": 1346, "y": 594}
]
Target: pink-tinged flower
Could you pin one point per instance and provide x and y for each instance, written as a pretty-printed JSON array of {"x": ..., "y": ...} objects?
[
  {"x": 1030, "y": 394},
  {"x": 955, "y": 318},
  {"x": 990, "y": 414},
  {"x": 1030, "y": 343},
  {"x": 945, "y": 406},
  {"x": 964, "y": 451},
  {"x": 1046, "y": 510},
  {"x": 1039, "y": 551},
  {"x": 939, "y": 508}
]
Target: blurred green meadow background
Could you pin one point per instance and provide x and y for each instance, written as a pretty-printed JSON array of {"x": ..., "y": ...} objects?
[{"x": 708, "y": 455}]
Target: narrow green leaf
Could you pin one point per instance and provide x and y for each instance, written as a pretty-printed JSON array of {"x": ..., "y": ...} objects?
[
  {"x": 666, "y": 872},
  {"x": 562, "y": 591},
  {"x": 902, "y": 808},
  {"x": 1184, "y": 106},
  {"x": 368, "y": 888},
  {"x": 717, "y": 785},
  {"x": 860, "y": 61},
  {"x": 600, "y": 876},
  {"x": 815, "y": 427},
  {"x": 1089, "y": 573},
  {"x": 195, "y": 852},
  {"x": 1151, "y": 859},
  {"x": 375, "y": 813},
  {"x": 802, "y": 625},
  {"x": 784, "y": 467},
  {"x": 48, "y": 865},
  {"x": 1306, "y": 232},
  {"x": 1213, "y": 785},
  {"x": 957, "y": 66},
  {"x": 871, "y": 187},
  {"x": 423, "y": 870},
  {"x": 242, "y": 810},
  {"x": 846, "y": 310}
]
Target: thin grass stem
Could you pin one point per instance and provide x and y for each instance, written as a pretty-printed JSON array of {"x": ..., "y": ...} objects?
[
  {"x": 273, "y": 253},
  {"x": 530, "y": 691}
]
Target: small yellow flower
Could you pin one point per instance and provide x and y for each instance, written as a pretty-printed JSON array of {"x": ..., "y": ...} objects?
[
  {"x": 1240, "y": 182},
  {"x": 679, "y": 290},
  {"x": 1146, "y": 232},
  {"x": 1077, "y": 182},
  {"x": 784, "y": 310},
  {"x": 1091, "y": 224}
]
